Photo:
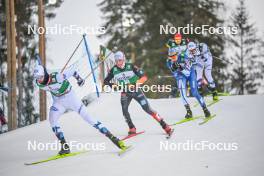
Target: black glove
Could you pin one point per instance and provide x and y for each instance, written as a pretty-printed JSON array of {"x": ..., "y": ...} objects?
[
  {"x": 80, "y": 81},
  {"x": 176, "y": 66}
]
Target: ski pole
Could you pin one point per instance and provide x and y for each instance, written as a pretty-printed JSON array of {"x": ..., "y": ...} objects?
[
  {"x": 223, "y": 60},
  {"x": 165, "y": 76},
  {"x": 90, "y": 58},
  {"x": 97, "y": 66},
  {"x": 71, "y": 55},
  {"x": 89, "y": 74}
]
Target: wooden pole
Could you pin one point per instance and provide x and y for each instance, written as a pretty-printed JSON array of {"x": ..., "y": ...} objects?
[
  {"x": 11, "y": 61},
  {"x": 42, "y": 94},
  {"x": 19, "y": 83}
]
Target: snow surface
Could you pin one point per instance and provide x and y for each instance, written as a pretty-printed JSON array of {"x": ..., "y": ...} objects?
[{"x": 239, "y": 120}]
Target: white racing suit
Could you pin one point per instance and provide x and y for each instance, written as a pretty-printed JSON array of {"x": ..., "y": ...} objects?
[
  {"x": 204, "y": 63},
  {"x": 64, "y": 99}
]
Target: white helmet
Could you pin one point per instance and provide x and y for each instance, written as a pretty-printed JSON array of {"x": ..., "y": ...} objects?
[
  {"x": 191, "y": 46},
  {"x": 38, "y": 71},
  {"x": 119, "y": 55}
]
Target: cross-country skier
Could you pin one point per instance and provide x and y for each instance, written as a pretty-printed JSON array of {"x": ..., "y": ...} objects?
[
  {"x": 184, "y": 72},
  {"x": 64, "y": 98},
  {"x": 204, "y": 63},
  {"x": 2, "y": 116},
  {"x": 131, "y": 76},
  {"x": 3, "y": 88},
  {"x": 176, "y": 46}
]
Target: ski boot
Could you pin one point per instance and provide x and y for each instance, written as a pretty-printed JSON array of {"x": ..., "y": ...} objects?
[
  {"x": 132, "y": 131},
  {"x": 119, "y": 143},
  {"x": 215, "y": 96},
  {"x": 214, "y": 93},
  {"x": 65, "y": 149},
  {"x": 207, "y": 113},
  {"x": 189, "y": 112},
  {"x": 4, "y": 128},
  {"x": 166, "y": 127}
]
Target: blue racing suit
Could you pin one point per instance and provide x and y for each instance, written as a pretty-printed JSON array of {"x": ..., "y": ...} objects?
[{"x": 183, "y": 71}]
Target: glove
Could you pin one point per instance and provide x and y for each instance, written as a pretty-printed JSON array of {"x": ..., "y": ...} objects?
[
  {"x": 176, "y": 66},
  {"x": 169, "y": 63},
  {"x": 80, "y": 82},
  {"x": 192, "y": 59}
]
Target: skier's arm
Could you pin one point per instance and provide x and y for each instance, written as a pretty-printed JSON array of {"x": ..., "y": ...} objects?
[
  {"x": 142, "y": 77},
  {"x": 40, "y": 86},
  {"x": 4, "y": 89},
  {"x": 206, "y": 52},
  {"x": 169, "y": 63},
  {"x": 172, "y": 65},
  {"x": 69, "y": 73},
  {"x": 204, "y": 49},
  {"x": 108, "y": 78},
  {"x": 65, "y": 75},
  {"x": 172, "y": 53}
]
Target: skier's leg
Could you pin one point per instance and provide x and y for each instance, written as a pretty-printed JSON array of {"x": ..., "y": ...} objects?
[
  {"x": 74, "y": 103},
  {"x": 195, "y": 93},
  {"x": 208, "y": 76},
  {"x": 194, "y": 90},
  {"x": 142, "y": 100},
  {"x": 2, "y": 117},
  {"x": 56, "y": 110},
  {"x": 182, "y": 86},
  {"x": 199, "y": 76},
  {"x": 125, "y": 101}
]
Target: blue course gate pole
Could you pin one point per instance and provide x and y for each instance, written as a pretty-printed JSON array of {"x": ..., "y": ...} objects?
[{"x": 90, "y": 61}]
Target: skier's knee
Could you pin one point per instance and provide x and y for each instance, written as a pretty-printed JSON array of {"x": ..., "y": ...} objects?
[
  {"x": 194, "y": 92},
  {"x": 58, "y": 132},
  {"x": 147, "y": 109},
  {"x": 200, "y": 83}
]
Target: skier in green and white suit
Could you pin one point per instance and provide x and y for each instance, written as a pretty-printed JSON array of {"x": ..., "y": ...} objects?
[
  {"x": 64, "y": 98},
  {"x": 176, "y": 46},
  {"x": 128, "y": 75}
]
